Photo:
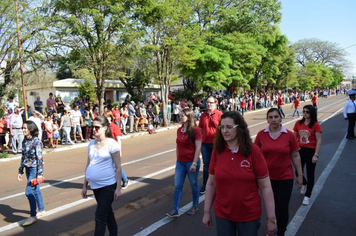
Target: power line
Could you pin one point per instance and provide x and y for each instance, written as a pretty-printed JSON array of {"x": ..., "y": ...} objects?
[{"x": 349, "y": 46}]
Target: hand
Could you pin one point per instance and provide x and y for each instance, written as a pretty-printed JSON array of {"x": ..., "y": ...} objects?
[
  {"x": 271, "y": 229},
  {"x": 207, "y": 221},
  {"x": 192, "y": 168},
  {"x": 299, "y": 181},
  {"x": 12, "y": 133},
  {"x": 39, "y": 179},
  {"x": 314, "y": 159},
  {"x": 345, "y": 118},
  {"x": 19, "y": 177},
  {"x": 117, "y": 194},
  {"x": 84, "y": 192}
]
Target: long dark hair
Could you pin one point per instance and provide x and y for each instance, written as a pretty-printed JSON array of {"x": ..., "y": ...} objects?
[
  {"x": 191, "y": 123},
  {"x": 313, "y": 116},
  {"x": 104, "y": 123},
  {"x": 243, "y": 134},
  {"x": 32, "y": 127}
]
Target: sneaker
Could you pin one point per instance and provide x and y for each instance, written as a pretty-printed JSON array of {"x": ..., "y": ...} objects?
[
  {"x": 192, "y": 210},
  {"x": 125, "y": 184},
  {"x": 172, "y": 214},
  {"x": 305, "y": 201},
  {"x": 75, "y": 141},
  {"x": 83, "y": 141},
  {"x": 41, "y": 214},
  {"x": 303, "y": 190},
  {"x": 202, "y": 191},
  {"x": 30, "y": 221}
]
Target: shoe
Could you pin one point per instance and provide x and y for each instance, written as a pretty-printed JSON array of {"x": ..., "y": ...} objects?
[
  {"x": 349, "y": 137},
  {"x": 202, "y": 191},
  {"x": 192, "y": 210},
  {"x": 75, "y": 141},
  {"x": 305, "y": 201},
  {"x": 41, "y": 214},
  {"x": 30, "y": 221},
  {"x": 125, "y": 184},
  {"x": 172, "y": 214},
  {"x": 83, "y": 141},
  {"x": 303, "y": 189}
]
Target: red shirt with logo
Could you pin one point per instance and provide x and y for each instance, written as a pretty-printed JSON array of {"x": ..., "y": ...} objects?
[
  {"x": 237, "y": 197},
  {"x": 277, "y": 153},
  {"x": 209, "y": 124},
  {"x": 306, "y": 135},
  {"x": 296, "y": 103},
  {"x": 185, "y": 147}
]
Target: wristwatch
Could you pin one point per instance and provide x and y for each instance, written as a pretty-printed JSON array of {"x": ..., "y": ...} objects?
[
  {"x": 273, "y": 221},
  {"x": 194, "y": 163}
]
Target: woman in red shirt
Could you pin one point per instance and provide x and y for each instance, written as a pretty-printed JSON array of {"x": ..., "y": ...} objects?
[
  {"x": 237, "y": 171},
  {"x": 280, "y": 148},
  {"x": 308, "y": 133},
  {"x": 188, "y": 162}
]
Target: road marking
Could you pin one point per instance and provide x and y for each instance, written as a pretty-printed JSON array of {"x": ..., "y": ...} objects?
[
  {"x": 73, "y": 204},
  {"x": 302, "y": 212},
  {"x": 153, "y": 227}
]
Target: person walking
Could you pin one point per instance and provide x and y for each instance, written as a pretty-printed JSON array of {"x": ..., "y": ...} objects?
[
  {"x": 308, "y": 133},
  {"x": 280, "y": 149},
  {"x": 188, "y": 146},
  {"x": 350, "y": 115},
  {"x": 208, "y": 123},
  {"x": 131, "y": 116},
  {"x": 237, "y": 172},
  {"x": 32, "y": 161},
  {"x": 280, "y": 103},
  {"x": 102, "y": 172},
  {"x": 16, "y": 132},
  {"x": 77, "y": 120},
  {"x": 296, "y": 106},
  {"x": 66, "y": 125}
]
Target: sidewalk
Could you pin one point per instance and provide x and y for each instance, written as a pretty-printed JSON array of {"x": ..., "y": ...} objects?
[{"x": 60, "y": 148}]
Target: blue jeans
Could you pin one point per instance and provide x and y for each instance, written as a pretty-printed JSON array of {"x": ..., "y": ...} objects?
[
  {"x": 66, "y": 131},
  {"x": 104, "y": 214},
  {"x": 123, "y": 175},
  {"x": 281, "y": 110},
  {"x": 182, "y": 169},
  {"x": 225, "y": 227},
  {"x": 206, "y": 150},
  {"x": 33, "y": 194},
  {"x": 296, "y": 111}
]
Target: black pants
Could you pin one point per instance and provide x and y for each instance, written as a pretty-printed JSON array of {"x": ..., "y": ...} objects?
[
  {"x": 104, "y": 214},
  {"x": 306, "y": 156},
  {"x": 351, "y": 117},
  {"x": 282, "y": 191}
]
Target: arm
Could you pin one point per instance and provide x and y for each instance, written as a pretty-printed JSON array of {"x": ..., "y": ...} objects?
[
  {"x": 60, "y": 127},
  {"x": 117, "y": 161},
  {"x": 298, "y": 167},
  {"x": 318, "y": 144},
  {"x": 209, "y": 199},
  {"x": 196, "y": 155},
  {"x": 40, "y": 163},
  {"x": 266, "y": 190},
  {"x": 85, "y": 184}
]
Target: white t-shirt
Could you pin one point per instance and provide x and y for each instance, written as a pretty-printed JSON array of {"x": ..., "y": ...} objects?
[
  {"x": 101, "y": 170},
  {"x": 37, "y": 122},
  {"x": 75, "y": 115},
  {"x": 11, "y": 105}
]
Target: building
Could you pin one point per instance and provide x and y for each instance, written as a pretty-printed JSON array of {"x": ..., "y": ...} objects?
[{"x": 67, "y": 89}]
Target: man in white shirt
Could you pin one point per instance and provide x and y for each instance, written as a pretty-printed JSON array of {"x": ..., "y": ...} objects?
[
  {"x": 350, "y": 115},
  {"x": 11, "y": 104},
  {"x": 77, "y": 119},
  {"x": 16, "y": 131}
]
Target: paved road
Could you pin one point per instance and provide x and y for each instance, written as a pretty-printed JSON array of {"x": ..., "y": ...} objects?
[{"x": 149, "y": 162}]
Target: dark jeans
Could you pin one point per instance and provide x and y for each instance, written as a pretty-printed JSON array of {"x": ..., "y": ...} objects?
[
  {"x": 306, "y": 155},
  {"x": 225, "y": 227},
  {"x": 206, "y": 150},
  {"x": 87, "y": 132},
  {"x": 351, "y": 117},
  {"x": 282, "y": 191},
  {"x": 104, "y": 214},
  {"x": 281, "y": 110}
]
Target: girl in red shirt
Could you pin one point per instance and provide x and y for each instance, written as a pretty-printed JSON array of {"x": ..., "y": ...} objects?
[
  {"x": 188, "y": 141},
  {"x": 237, "y": 171},
  {"x": 308, "y": 133}
]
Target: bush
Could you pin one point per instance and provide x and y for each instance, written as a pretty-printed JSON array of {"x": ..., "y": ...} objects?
[{"x": 4, "y": 155}]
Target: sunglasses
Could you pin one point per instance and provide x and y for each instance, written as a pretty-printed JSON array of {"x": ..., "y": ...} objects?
[
  {"x": 97, "y": 128},
  {"x": 306, "y": 111}
]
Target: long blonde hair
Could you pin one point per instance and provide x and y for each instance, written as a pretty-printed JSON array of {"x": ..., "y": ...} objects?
[{"x": 191, "y": 123}]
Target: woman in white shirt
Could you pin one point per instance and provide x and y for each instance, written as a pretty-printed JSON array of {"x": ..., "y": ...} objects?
[{"x": 102, "y": 172}]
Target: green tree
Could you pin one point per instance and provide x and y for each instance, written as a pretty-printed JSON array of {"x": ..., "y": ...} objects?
[{"x": 87, "y": 87}]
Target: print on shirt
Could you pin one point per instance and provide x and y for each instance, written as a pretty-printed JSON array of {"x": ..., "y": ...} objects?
[
  {"x": 304, "y": 136},
  {"x": 245, "y": 163}
]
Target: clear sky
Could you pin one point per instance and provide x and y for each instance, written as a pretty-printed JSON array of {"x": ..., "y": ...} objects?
[{"x": 327, "y": 20}]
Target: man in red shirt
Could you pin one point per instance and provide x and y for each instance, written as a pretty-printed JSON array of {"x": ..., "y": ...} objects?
[
  {"x": 296, "y": 106},
  {"x": 243, "y": 105},
  {"x": 279, "y": 104},
  {"x": 208, "y": 122},
  {"x": 314, "y": 98}
]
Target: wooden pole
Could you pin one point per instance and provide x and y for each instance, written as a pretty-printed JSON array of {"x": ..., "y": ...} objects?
[{"x": 20, "y": 59}]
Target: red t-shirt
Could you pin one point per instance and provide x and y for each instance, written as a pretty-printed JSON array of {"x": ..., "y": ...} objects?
[
  {"x": 3, "y": 127},
  {"x": 237, "y": 197},
  {"x": 296, "y": 103},
  {"x": 209, "y": 124},
  {"x": 116, "y": 114},
  {"x": 278, "y": 153},
  {"x": 280, "y": 102},
  {"x": 314, "y": 100},
  {"x": 115, "y": 130},
  {"x": 185, "y": 147},
  {"x": 306, "y": 135},
  {"x": 243, "y": 103}
]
